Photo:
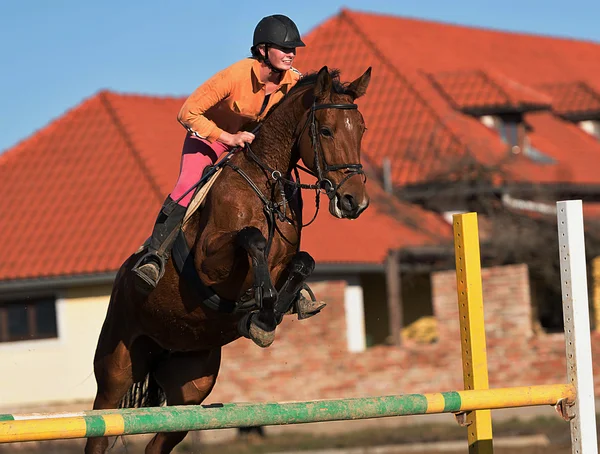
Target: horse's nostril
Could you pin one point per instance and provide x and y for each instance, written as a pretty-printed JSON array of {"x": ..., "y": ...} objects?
[{"x": 348, "y": 203}]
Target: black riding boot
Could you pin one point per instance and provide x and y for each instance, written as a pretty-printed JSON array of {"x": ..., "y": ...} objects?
[{"x": 151, "y": 266}]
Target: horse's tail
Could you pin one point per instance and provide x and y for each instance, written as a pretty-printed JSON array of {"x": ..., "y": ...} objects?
[{"x": 146, "y": 393}]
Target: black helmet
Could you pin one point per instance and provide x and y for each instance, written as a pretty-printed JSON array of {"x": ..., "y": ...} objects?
[{"x": 279, "y": 30}]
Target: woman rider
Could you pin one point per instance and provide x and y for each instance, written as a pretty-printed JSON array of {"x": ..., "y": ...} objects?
[{"x": 214, "y": 116}]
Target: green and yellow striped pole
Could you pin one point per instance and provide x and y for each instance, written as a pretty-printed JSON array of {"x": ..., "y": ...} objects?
[
  {"x": 472, "y": 327},
  {"x": 18, "y": 428}
]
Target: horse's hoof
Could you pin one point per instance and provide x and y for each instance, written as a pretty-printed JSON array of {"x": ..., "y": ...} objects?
[
  {"x": 261, "y": 337},
  {"x": 309, "y": 308},
  {"x": 306, "y": 307}
]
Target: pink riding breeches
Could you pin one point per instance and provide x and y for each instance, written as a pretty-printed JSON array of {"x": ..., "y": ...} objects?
[{"x": 196, "y": 155}]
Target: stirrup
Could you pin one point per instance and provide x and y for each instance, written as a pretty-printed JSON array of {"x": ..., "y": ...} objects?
[
  {"x": 243, "y": 325},
  {"x": 145, "y": 283}
]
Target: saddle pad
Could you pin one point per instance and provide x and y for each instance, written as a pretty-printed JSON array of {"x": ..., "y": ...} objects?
[{"x": 201, "y": 195}]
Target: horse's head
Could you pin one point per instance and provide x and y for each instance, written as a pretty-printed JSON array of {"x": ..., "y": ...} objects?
[{"x": 331, "y": 141}]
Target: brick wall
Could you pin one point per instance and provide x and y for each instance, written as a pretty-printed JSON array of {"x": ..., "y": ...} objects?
[{"x": 308, "y": 359}]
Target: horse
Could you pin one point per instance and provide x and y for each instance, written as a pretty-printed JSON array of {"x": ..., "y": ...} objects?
[{"x": 242, "y": 269}]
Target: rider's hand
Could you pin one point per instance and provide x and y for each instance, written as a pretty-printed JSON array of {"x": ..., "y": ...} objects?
[{"x": 238, "y": 139}]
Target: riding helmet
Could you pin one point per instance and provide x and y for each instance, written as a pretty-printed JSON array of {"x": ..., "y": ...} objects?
[{"x": 278, "y": 30}]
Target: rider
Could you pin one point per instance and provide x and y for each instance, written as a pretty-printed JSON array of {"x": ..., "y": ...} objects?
[{"x": 214, "y": 116}]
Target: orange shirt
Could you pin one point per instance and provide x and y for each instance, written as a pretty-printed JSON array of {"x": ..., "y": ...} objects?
[{"x": 230, "y": 99}]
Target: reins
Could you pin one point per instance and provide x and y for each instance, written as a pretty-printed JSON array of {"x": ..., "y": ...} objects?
[{"x": 273, "y": 209}]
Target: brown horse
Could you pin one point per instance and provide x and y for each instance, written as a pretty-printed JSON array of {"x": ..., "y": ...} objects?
[{"x": 241, "y": 269}]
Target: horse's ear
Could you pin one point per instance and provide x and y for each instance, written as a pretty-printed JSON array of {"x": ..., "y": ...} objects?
[
  {"x": 324, "y": 83},
  {"x": 359, "y": 86}
]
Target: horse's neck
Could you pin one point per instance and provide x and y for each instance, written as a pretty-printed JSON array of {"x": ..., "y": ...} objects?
[{"x": 275, "y": 142}]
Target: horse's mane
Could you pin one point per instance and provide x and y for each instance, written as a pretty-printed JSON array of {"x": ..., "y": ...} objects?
[
  {"x": 339, "y": 87},
  {"x": 310, "y": 79}
]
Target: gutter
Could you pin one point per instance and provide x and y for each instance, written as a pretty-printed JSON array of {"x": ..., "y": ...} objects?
[
  {"x": 345, "y": 268},
  {"x": 56, "y": 283}
]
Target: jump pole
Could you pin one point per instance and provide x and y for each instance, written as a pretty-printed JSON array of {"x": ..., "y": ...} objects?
[
  {"x": 571, "y": 242},
  {"x": 469, "y": 288},
  {"x": 98, "y": 423},
  {"x": 573, "y": 272}
]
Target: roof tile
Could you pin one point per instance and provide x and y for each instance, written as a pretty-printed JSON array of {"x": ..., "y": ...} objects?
[
  {"x": 478, "y": 90},
  {"x": 573, "y": 98},
  {"x": 82, "y": 195},
  {"x": 417, "y": 126}
]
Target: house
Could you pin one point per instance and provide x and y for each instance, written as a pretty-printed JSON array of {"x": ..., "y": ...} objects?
[
  {"x": 83, "y": 192},
  {"x": 463, "y": 118},
  {"x": 527, "y": 103}
]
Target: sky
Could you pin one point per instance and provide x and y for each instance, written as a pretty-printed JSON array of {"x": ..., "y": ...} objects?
[{"x": 56, "y": 53}]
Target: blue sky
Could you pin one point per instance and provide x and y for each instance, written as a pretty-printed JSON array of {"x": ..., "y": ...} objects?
[{"x": 54, "y": 54}]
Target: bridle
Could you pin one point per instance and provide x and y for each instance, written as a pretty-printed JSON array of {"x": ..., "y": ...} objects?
[
  {"x": 323, "y": 182},
  {"x": 322, "y": 168}
]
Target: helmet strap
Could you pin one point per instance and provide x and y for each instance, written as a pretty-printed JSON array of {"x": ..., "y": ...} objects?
[{"x": 268, "y": 62}]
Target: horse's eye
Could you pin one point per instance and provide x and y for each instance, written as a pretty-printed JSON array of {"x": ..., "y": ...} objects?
[{"x": 326, "y": 132}]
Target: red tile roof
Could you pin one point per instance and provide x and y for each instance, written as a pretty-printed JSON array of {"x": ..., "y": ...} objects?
[
  {"x": 386, "y": 224},
  {"x": 484, "y": 91},
  {"x": 417, "y": 126},
  {"x": 573, "y": 98},
  {"x": 76, "y": 197},
  {"x": 82, "y": 194}
]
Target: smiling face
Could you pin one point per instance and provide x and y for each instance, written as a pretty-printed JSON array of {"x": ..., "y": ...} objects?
[{"x": 281, "y": 57}]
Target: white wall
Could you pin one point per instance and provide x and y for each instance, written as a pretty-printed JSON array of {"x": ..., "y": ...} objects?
[
  {"x": 354, "y": 306},
  {"x": 56, "y": 370}
]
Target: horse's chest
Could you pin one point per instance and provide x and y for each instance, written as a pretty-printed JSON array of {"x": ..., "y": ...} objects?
[
  {"x": 181, "y": 323},
  {"x": 182, "y": 331}
]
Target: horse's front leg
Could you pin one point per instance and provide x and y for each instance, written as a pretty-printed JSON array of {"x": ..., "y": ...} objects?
[
  {"x": 259, "y": 326},
  {"x": 299, "y": 269}
]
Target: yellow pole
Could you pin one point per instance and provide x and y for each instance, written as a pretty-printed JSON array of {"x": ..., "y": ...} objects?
[{"x": 472, "y": 328}]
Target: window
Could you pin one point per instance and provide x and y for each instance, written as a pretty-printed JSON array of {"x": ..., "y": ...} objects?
[
  {"x": 417, "y": 308},
  {"x": 546, "y": 305},
  {"x": 28, "y": 319},
  {"x": 536, "y": 155},
  {"x": 510, "y": 127},
  {"x": 509, "y": 132},
  {"x": 513, "y": 132}
]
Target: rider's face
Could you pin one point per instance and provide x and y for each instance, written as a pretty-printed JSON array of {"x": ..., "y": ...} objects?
[{"x": 282, "y": 57}]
